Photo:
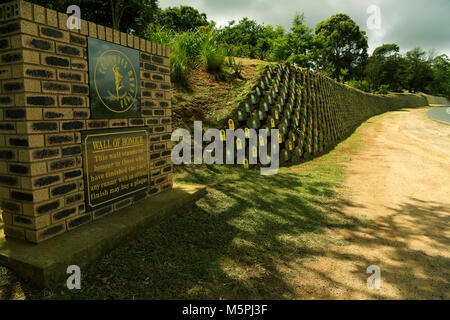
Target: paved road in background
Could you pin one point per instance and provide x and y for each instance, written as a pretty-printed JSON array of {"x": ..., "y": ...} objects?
[{"x": 441, "y": 114}]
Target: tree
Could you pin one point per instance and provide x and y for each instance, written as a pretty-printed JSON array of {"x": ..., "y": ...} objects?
[
  {"x": 131, "y": 16},
  {"x": 385, "y": 67},
  {"x": 183, "y": 18},
  {"x": 441, "y": 71},
  {"x": 345, "y": 47},
  {"x": 419, "y": 72},
  {"x": 299, "y": 44}
]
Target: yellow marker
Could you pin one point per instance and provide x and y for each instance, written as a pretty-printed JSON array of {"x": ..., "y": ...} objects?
[
  {"x": 245, "y": 163},
  {"x": 294, "y": 137},
  {"x": 272, "y": 123},
  {"x": 280, "y": 138},
  {"x": 304, "y": 128},
  {"x": 231, "y": 124},
  {"x": 276, "y": 114},
  {"x": 309, "y": 149},
  {"x": 238, "y": 144},
  {"x": 254, "y": 152},
  {"x": 261, "y": 141},
  {"x": 290, "y": 145},
  {"x": 223, "y": 135}
]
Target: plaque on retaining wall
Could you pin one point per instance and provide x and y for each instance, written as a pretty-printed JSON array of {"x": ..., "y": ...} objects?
[
  {"x": 116, "y": 164},
  {"x": 114, "y": 80}
]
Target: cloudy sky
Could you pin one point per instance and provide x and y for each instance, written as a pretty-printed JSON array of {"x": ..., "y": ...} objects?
[{"x": 409, "y": 23}]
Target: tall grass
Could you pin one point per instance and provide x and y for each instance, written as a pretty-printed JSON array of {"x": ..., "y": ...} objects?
[{"x": 189, "y": 50}]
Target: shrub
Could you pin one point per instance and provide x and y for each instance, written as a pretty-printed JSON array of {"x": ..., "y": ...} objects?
[
  {"x": 383, "y": 89},
  {"x": 362, "y": 85},
  {"x": 212, "y": 55}
]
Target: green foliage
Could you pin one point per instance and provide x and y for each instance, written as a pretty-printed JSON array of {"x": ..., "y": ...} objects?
[
  {"x": 441, "y": 82},
  {"x": 236, "y": 67},
  {"x": 362, "y": 85},
  {"x": 183, "y": 18},
  {"x": 213, "y": 56},
  {"x": 345, "y": 46},
  {"x": 419, "y": 72},
  {"x": 383, "y": 89}
]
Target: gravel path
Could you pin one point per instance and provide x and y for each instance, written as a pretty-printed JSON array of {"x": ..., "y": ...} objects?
[{"x": 400, "y": 180}]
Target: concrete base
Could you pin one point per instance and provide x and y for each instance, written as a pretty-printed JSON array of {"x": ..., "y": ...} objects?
[{"x": 45, "y": 264}]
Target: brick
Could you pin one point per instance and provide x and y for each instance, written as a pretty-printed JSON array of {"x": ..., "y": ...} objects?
[
  {"x": 9, "y": 181},
  {"x": 64, "y": 49},
  {"x": 62, "y": 21},
  {"x": 97, "y": 124},
  {"x": 39, "y": 14},
  {"x": 36, "y": 44},
  {"x": 92, "y": 29},
  {"x": 37, "y": 126},
  {"x": 5, "y": 72},
  {"x": 78, "y": 221},
  {"x": 44, "y": 234},
  {"x": 118, "y": 123},
  {"x": 137, "y": 42},
  {"x": 57, "y": 113},
  {"x": 72, "y": 101},
  {"x": 81, "y": 113},
  {"x": 29, "y": 196},
  {"x": 72, "y": 175},
  {"x": 30, "y": 71},
  {"x": 59, "y": 139},
  {"x": 14, "y": 232},
  {"x": 116, "y": 36},
  {"x": 55, "y": 61},
  {"x": 65, "y": 213},
  {"x": 100, "y": 213},
  {"x": 21, "y": 85},
  {"x": 101, "y": 33},
  {"x": 78, "y": 40},
  {"x": 31, "y": 141},
  {"x": 74, "y": 198},
  {"x": 53, "y": 34},
  {"x": 11, "y": 57},
  {"x": 78, "y": 64},
  {"x": 123, "y": 39},
  {"x": 71, "y": 150},
  {"x": 6, "y": 101},
  {"x": 109, "y": 34},
  {"x": 7, "y": 154},
  {"x": 55, "y": 87},
  {"x": 63, "y": 189},
  {"x": 76, "y": 76},
  {"x": 39, "y": 154},
  {"x": 8, "y": 127},
  {"x": 130, "y": 41},
  {"x": 31, "y": 222},
  {"x": 123, "y": 203},
  {"x": 28, "y": 27},
  {"x": 7, "y": 218},
  {"x": 28, "y": 169},
  {"x": 84, "y": 27},
  {"x": 72, "y": 125},
  {"x": 61, "y": 164},
  {"x": 80, "y": 89}
]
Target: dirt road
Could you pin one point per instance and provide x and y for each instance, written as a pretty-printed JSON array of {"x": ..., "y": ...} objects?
[{"x": 400, "y": 180}]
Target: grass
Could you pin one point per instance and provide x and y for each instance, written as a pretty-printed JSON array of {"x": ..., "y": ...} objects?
[{"x": 242, "y": 241}]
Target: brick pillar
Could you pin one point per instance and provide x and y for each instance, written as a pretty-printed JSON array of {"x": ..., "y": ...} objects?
[{"x": 44, "y": 107}]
